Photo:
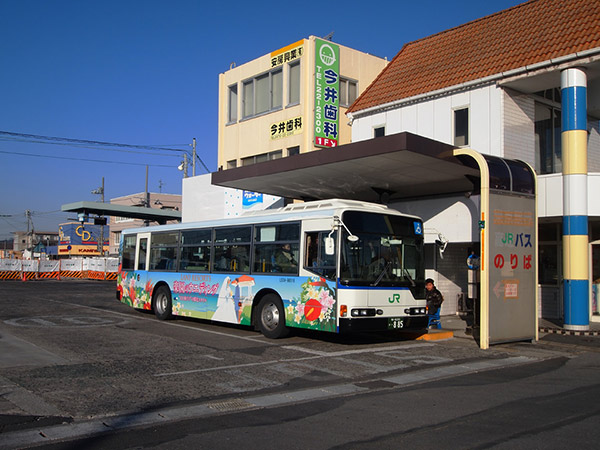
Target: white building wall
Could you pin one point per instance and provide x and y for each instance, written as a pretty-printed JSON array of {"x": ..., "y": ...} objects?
[
  {"x": 550, "y": 195},
  {"x": 455, "y": 218},
  {"x": 434, "y": 118},
  {"x": 205, "y": 201},
  {"x": 594, "y": 147},
  {"x": 519, "y": 132}
]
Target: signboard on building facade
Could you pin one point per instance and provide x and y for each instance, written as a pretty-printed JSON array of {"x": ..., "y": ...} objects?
[
  {"x": 249, "y": 199},
  {"x": 287, "y": 54},
  {"x": 285, "y": 128},
  {"x": 81, "y": 239},
  {"x": 327, "y": 88},
  {"x": 512, "y": 236}
]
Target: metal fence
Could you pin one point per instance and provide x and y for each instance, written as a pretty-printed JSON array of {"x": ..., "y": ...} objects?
[{"x": 89, "y": 268}]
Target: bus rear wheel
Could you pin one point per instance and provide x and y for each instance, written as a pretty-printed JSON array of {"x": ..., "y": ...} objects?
[
  {"x": 162, "y": 304},
  {"x": 271, "y": 317}
]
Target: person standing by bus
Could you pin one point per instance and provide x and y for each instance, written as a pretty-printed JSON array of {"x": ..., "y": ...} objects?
[{"x": 434, "y": 300}]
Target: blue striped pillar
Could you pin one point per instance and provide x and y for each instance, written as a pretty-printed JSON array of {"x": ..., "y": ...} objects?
[{"x": 575, "y": 199}]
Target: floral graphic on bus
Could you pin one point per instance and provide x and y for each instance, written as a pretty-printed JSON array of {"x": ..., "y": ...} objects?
[
  {"x": 308, "y": 302},
  {"x": 138, "y": 296},
  {"x": 316, "y": 307}
]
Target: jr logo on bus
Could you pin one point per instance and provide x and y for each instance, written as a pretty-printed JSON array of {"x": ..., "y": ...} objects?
[{"x": 394, "y": 298}]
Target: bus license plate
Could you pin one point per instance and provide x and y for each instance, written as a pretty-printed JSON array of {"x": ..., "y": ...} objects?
[{"x": 395, "y": 322}]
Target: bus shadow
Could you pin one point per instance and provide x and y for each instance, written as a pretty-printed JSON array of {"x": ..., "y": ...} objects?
[
  {"x": 353, "y": 338},
  {"x": 360, "y": 338}
]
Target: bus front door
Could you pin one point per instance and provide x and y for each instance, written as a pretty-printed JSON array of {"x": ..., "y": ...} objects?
[{"x": 142, "y": 255}]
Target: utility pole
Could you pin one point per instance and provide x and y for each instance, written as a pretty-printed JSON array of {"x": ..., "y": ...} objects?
[
  {"x": 147, "y": 198},
  {"x": 100, "y": 191},
  {"x": 102, "y": 226},
  {"x": 194, "y": 157},
  {"x": 32, "y": 235}
]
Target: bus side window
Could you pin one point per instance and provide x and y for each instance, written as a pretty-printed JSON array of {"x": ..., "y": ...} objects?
[
  {"x": 312, "y": 250},
  {"x": 315, "y": 258}
]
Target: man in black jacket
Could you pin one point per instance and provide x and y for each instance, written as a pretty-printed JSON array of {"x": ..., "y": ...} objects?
[{"x": 434, "y": 300}]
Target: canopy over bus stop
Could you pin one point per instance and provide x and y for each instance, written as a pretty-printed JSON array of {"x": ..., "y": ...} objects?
[
  {"x": 405, "y": 167},
  {"x": 112, "y": 209}
]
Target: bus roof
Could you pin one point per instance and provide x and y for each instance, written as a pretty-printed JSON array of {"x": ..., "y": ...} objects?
[{"x": 294, "y": 211}]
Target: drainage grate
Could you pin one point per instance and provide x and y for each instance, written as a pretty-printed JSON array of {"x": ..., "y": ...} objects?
[{"x": 230, "y": 405}]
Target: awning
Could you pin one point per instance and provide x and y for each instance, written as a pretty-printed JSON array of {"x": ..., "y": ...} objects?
[
  {"x": 135, "y": 212},
  {"x": 385, "y": 169}
]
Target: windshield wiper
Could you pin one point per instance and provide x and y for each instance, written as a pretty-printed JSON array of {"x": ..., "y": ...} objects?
[
  {"x": 412, "y": 282},
  {"x": 383, "y": 272}
]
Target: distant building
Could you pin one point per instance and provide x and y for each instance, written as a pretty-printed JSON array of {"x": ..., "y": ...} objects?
[
  {"x": 6, "y": 248},
  {"x": 39, "y": 241},
  {"x": 155, "y": 200}
]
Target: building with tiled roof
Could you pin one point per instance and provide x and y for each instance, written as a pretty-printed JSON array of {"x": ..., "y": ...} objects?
[
  {"x": 526, "y": 38},
  {"x": 497, "y": 85}
]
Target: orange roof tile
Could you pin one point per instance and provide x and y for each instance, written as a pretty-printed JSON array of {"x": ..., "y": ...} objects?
[{"x": 529, "y": 33}]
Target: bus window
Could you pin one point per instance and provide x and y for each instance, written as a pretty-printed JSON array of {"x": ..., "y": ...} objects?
[
  {"x": 195, "y": 250},
  {"x": 232, "y": 235},
  {"x": 142, "y": 250},
  {"x": 128, "y": 252},
  {"x": 276, "y": 248},
  {"x": 315, "y": 258},
  {"x": 233, "y": 255},
  {"x": 232, "y": 258},
  {"x": 163, "y": 251}
]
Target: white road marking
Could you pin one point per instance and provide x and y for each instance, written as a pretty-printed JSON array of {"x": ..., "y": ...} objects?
[
  {"x": 173, "y": 324},
  {"x": 357, "y": 351},
  {"x": 316, "y": 354}
]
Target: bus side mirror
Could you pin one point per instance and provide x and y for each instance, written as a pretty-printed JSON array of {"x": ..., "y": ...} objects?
[{"x": 329, "y": 246}]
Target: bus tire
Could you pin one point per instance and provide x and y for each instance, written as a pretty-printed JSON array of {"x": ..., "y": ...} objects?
[
  {"x": 270, "y": 317},
  {"x": 162, "y": 303}
]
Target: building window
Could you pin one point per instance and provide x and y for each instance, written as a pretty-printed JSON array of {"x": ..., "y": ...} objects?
[
  {"x": 548, "y": 128},
  {"x": 263, "y": 93},
  {"x": 294, "y": 83},
  {"x": 276, "y": 89},
  {"x": 293, "y": 150},
  {"x": 261, "y": 158},
  {"x": 461, "y": 127},
  {"x": 549, "y": 254},
  {"x": 233, "y": 103},
  {"x": 379, "y": 132},
  {"x": 249, "y": 98},
  {"x": 348, "y": 91},
  {"x": 232, "y": 164}
]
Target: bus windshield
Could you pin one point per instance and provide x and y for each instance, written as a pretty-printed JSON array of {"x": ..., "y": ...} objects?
[{"x": 388, "y": 252}]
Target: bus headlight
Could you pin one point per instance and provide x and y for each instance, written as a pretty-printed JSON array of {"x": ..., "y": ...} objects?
[{"x": 363, "y": 312}]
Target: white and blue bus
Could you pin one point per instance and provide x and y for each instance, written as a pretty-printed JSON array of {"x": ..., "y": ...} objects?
[{"x": 331, "y": 265}]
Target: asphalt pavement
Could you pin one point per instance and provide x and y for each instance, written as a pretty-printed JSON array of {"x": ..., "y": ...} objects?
[{"x": 58, "y": 391}]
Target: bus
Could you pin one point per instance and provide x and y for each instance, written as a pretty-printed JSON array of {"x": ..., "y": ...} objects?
[{"x": 329, "y": 265}]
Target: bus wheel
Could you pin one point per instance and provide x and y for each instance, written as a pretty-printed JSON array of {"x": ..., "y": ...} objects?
[
  {"x": 271, "y": 317},
  {"x": 162, "y": 303}
]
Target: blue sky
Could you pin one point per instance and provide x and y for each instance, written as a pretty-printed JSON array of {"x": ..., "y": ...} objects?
[{"x": 145, "y": 72}]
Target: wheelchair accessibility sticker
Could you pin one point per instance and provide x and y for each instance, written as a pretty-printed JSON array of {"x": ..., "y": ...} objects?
[{"x": 418, "y": 228}]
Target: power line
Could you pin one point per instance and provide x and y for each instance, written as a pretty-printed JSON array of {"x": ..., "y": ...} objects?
[
  {"x": 86, "y": 141},
  {"x": 85, "y": 159},
  {"x": 96, "y": 144},
  {"x": 88, "y": 147}
]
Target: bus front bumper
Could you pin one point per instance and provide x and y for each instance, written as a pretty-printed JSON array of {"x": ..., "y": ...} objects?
[{"x": 383, "y": 323}]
